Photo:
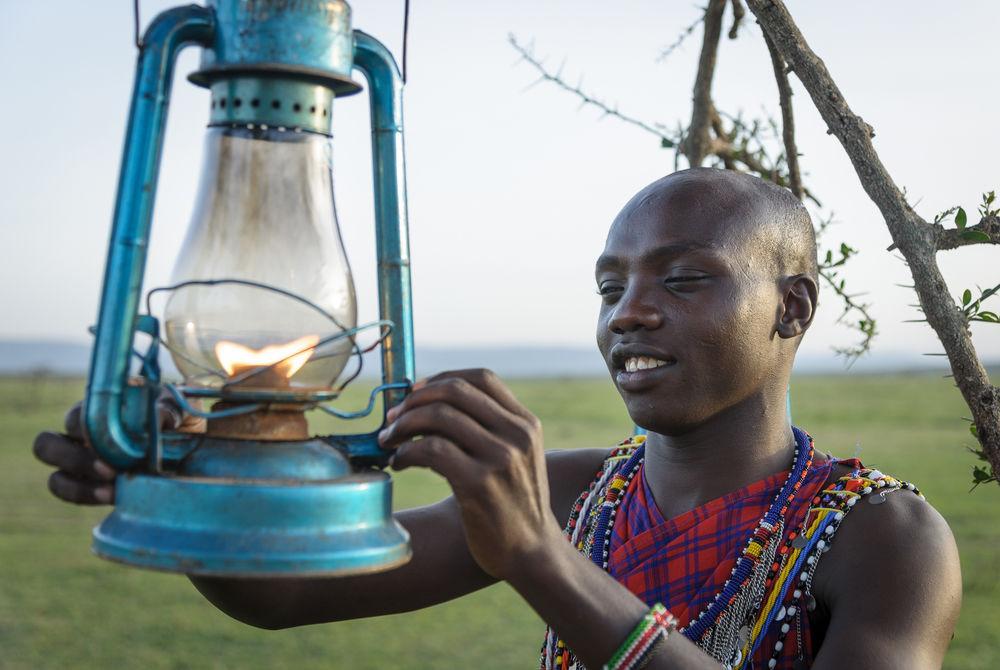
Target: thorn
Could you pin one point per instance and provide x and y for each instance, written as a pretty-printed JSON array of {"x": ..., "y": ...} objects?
[{"x": 532, "y": 85}]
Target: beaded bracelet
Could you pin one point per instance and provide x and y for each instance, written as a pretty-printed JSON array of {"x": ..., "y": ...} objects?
[{"x": 638, "y": 647}]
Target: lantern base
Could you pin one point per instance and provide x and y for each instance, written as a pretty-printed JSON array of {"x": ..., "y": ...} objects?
[{"x": 254, "y": 528}]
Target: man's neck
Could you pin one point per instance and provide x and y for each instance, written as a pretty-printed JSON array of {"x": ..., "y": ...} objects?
[{"x": 739, "y": 446}]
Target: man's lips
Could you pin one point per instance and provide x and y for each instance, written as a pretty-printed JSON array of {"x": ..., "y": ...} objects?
[
  {"x": 637, "y": 367},
  {"x": 636, "y": 357},
  {"x": 640, "y": 380}
]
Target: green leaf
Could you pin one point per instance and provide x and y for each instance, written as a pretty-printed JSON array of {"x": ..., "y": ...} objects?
[
  {"x": 966, "y": 297},
  {"x": 961, "y": 218},
  {"x": 975, "y": 434},
  {"x": 981, "y": 475},
  {"x": 975, "y": 236},
  {"x": 989, "y": 317},
  {"x": 667, "y": 144}
]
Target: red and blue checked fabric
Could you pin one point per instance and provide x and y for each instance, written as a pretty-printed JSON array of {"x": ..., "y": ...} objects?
[{"x": 683, "y": 562}]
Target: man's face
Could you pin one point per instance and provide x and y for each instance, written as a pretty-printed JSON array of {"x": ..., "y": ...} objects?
[{"x": 687, "y": 320}]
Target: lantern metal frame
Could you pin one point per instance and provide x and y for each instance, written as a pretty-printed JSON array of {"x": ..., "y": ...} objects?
[{"x": 216, "y": 506}]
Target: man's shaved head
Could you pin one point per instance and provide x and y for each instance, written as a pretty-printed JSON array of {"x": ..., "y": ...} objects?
[
  {"x": 772, "y": 226},
  {"x": 710, "y": 274}
]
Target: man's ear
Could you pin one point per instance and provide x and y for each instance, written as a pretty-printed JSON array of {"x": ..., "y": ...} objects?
[{"x": 798, "y": 305}]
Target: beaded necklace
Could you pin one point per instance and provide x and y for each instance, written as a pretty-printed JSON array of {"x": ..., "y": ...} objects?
[{"x": 591, "y": 537}]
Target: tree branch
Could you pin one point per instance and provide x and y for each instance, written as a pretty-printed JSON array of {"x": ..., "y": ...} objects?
[
  {"x": 787, "y": 119},
  {"x": 915, "y": 237},
  {"x": 696, "y": 143},
  {"x": 680, "y": 39},
  {"x": 666, "y": 139},
  {"x": 742, "y": 148},
  {"x": 739, "y": 11},
  {"x": 987, "y": 231},
  {"x": 866, "y": 324}
]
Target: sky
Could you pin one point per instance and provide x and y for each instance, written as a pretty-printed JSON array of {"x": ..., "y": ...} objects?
[{"x": 511, "y": 186}]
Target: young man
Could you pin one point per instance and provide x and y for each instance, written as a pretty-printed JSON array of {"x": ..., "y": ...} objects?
[{"x": 723, "y": 512}]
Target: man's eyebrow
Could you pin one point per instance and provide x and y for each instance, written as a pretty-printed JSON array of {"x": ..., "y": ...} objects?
[
  {"x": 606, "y": 261},
  {"x": 656, "y": 253}
]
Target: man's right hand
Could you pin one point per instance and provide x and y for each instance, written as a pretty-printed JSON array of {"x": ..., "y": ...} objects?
[{"x": 80, "y": 477}]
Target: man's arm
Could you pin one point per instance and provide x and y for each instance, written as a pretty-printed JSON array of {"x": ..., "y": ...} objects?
[
  {"x": 893, "y": 586},
  {"x": 441, "y": 568}
]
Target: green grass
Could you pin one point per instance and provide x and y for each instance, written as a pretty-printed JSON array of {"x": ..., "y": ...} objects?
[{"x": 61, "y": 607}]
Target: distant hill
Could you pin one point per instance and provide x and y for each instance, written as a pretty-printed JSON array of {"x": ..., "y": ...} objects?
[
  {"x": 30, "y": 356},
  {"x": 69, "y": 358},
  {"x": 73, "y": 358}
]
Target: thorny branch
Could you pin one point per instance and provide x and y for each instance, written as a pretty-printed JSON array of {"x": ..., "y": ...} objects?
[
  {"x": 739, "y": 11},
  {"x": 787, "y": 119},
  {"x": 680, "y": 39},
  {"x": 740, "y": 147},
  {"x": 666, "y": 138},
  {"x": 917, "y": 239},
  {"x": 696, "y": 145},
  {"x": 829, "y": 271},
  {"x": 987, "y": 231}
]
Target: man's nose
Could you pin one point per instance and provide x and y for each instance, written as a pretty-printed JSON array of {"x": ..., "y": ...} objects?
[{"x": 637, "y": 309}]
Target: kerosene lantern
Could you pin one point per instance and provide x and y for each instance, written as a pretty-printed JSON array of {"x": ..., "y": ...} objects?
[{"x": 260, "y": 317}]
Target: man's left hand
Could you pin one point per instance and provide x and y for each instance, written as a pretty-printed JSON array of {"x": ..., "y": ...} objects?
[{"x": 468, "y": 427}]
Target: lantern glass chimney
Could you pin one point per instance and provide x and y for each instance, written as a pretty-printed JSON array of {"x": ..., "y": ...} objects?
[{"x": 265, "y": 217}]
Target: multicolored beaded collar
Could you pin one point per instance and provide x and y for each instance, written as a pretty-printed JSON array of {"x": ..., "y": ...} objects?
[{"x": 770, "y": 583}]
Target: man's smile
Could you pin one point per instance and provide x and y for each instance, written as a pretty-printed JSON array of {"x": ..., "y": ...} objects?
[
  {"x": 637, "y": 367},
  {"x": 642, "y": 363}
]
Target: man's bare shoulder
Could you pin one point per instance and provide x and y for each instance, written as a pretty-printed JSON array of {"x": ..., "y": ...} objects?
[
  {"x": 570, "y": 473},
  {"x": 573, "y": 463},
  {"x": 891, "y": 582}
]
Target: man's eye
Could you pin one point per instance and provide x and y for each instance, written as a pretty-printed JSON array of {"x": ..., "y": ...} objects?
[
  {"x": 681, "y": 280},
  {"x": 608, "y": 289}
]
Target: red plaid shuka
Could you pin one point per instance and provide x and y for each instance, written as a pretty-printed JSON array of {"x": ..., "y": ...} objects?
[{"x": 683, "y": 562}]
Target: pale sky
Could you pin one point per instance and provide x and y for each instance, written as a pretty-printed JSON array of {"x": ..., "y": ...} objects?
[{"x": 511, "y": 190}]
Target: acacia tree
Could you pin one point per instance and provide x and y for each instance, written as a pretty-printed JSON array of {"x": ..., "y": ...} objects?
[{"x": 768, "y": 149}]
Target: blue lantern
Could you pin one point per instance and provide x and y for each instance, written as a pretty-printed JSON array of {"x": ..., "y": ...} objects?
[{"x": 261, "y": 316}]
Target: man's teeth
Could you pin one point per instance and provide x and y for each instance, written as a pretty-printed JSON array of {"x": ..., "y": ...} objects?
[{"x": 642, "y": 363}]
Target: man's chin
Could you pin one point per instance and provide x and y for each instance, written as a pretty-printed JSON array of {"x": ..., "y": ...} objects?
[{"x": 656, "y": 419}]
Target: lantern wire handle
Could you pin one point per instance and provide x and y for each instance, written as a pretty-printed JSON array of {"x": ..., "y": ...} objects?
[
  {"x": 135, "y": 23},
  {"x": 365, "y": 411},
  {"x": 267, "y": 287},
  {"x": 406, "y": 32},
  {"x": 385, "y": 329},
  {"x": 188, "y": 408}
]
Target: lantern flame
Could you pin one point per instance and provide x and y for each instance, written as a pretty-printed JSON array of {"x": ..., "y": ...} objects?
[{"x": 286, "y": 358}]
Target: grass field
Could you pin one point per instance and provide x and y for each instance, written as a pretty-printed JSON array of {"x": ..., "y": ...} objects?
[{"x": 61, "y": 607}]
